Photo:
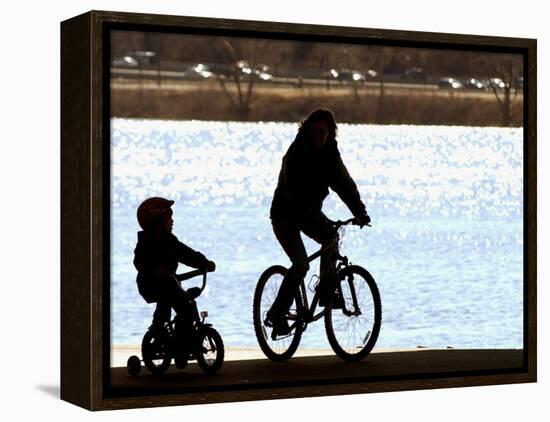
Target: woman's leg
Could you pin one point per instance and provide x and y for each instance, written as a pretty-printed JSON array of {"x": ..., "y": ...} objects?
[
  {"x": 322, "y": 231},
  {"x": 288, "y": 235}
]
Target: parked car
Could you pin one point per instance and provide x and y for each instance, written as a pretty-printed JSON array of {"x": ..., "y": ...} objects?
[
  {"x": 414, "y": 74},
  {"x": 331, "y": 74},
  {"x": 497, "y": 83},
  {"x": 345, "y": 75},
  {"x": 144, "y": 57},
  {"x": 474, "y": 83},
  {"x": 244, "y": 67},
  {"x": 125, "y": 61},
  {"x": 351, "y": 75},
  {"x": 449, "y": 83},
  {"x": 221, "y": 69},
  {"x": 262, "y": 72},
  {"x": 371, "y": 73},
  {"x": 202, "y": 70},
  {"x": 136, "y": 59}
]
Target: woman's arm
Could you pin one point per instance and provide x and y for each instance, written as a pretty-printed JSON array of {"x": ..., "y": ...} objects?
[{"x": 341, "y": 182}]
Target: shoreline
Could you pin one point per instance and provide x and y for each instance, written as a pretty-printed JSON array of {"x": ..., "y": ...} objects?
[
  {"x": 200, "y": 101},
  {"x": 121, "y": 353}
]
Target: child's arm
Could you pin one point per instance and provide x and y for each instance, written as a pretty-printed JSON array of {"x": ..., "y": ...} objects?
[{"x": 190, "y": 257}]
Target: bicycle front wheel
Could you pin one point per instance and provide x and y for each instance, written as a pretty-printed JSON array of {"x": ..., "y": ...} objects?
[
  {"x": 353, "y": 330},
  {"x": 210, "y": 353},
  {"x": 283, "y": 348}
]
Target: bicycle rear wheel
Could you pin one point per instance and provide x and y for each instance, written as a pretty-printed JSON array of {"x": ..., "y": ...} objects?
[
  {"x": 353, "y": 330},
  {"x": 283, "y": 348},
  {"x": 155, "y": 352}
]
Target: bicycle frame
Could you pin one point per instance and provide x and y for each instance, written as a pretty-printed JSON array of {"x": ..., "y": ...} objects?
[
  {"x": 305, "y": 312},
  {"x": 186, "y": 276}
]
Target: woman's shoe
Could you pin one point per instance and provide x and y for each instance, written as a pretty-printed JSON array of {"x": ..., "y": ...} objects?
[{"x": 279, "y": 324}]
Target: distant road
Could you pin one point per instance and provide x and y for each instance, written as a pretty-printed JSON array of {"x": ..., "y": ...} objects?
[{"x": 134, "y": 79}]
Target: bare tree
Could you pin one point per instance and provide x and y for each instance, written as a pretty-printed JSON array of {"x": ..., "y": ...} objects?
[
  {"x": 243, "y": 82},
  {"x": 364, "y": 59},
  {"x": 152, "y": 43},
  {"x": 134, "y": 44},
  {"x": 503, "y": 73},
  {"x": 509, "y": 73},
  {"x": 376, "y": 58},
  {"x": 380, "y": 60},
  {"x": 349, "y": 59},
  {"x": 244, "y": 60}
]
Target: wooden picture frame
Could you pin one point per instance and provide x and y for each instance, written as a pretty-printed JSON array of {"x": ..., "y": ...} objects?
[{"x": 85, "y": 214}]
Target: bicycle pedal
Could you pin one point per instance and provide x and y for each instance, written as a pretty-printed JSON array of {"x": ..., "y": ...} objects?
[
  {"x": 275, "y": 336},
  {"x": 281, "y": 332}
]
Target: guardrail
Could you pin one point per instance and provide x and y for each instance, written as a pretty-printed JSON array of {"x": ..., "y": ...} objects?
[
  {"x": 295, "y": 81},
  {"x": 290, "y": 81}
]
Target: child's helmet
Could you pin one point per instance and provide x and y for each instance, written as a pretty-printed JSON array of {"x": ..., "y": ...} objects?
[{"x": 151, "y": 209}]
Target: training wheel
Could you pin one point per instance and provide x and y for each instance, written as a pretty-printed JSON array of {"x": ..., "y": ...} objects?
[{"x": 134, "y": 366}]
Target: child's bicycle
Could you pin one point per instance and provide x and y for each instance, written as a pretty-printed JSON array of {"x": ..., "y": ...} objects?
[
  {"x": 352, "y": 326},
  {"x": 159, "y": 346}
]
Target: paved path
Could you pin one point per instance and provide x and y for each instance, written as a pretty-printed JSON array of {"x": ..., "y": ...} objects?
[{"x": 316, "y": 368}]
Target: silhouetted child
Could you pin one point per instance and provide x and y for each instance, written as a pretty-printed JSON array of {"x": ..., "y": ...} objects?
[{"x": 156, "y": 258}]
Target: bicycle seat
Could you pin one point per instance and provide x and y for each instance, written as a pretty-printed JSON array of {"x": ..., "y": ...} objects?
[{"x": 194, "y": 292}]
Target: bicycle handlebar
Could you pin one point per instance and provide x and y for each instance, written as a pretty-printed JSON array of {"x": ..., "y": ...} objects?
[
  {"x": 194, "y": 273},
  {"x": 191, "y": 274},
  {"x": 353, "y": 220}
]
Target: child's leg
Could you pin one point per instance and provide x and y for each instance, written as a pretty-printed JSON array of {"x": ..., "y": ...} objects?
[
  {"x": 163, "y": 313},
  {"x": 178, "y": 299}
]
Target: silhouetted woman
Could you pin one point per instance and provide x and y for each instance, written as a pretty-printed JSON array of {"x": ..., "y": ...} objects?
[{"x": 310, "y": 166}]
